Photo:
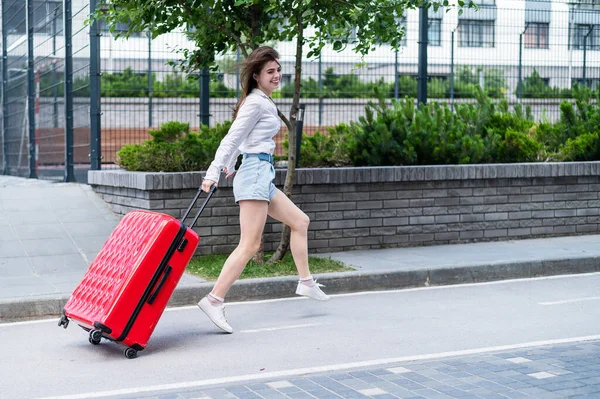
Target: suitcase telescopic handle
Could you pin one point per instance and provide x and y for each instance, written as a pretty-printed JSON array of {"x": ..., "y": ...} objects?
[{"x": 187, "y": 212}]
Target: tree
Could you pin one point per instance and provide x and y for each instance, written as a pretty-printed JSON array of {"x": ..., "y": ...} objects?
[{"x": 219, "y": 27}]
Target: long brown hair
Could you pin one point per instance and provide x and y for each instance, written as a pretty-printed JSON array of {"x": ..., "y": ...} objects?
[{"x": 253, "y": 65}]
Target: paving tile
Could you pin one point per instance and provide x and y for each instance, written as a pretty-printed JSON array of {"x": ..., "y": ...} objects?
[
  {"x": 541, "y": 375},
  {"x": 274, "y": 384},
  {"x": 568, "y": 370},
  {"x": 372, "y": 392},
  {"x": 518, "y": 360},
  {"x": 399, "y": 370}
]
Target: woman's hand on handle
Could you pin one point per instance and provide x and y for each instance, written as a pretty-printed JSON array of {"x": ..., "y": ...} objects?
[{"x": 207, "y": 184}]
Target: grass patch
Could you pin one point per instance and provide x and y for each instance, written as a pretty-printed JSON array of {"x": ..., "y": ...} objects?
[{"x": 209, "y": 266}]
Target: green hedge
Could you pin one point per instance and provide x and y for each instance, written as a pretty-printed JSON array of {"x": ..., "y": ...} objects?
[
  {"x": 131, "y": 84},
  {"x": 173, "y": 148},
  {"x": 433, "y": 134},
  {"x": 476, "y": 133},
  {"x": 534, "y": 87},
  {"x": 466, "y": 84}
]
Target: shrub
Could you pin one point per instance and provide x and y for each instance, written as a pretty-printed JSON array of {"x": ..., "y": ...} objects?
[
  {"x": 580, "y": 148},
  {"x": 324, "y": 149},
  {"x": 173, "y": 148},
  {"x": 132, "y": 84},
  {"x": 518, "y": 147},
  {"x": 467, "y": 82},
  {"x": 535, "y": 87},
  {"x": 431, "y": 134}
]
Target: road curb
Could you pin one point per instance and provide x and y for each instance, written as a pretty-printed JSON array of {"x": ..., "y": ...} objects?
[{"x": 336, "y": 283}]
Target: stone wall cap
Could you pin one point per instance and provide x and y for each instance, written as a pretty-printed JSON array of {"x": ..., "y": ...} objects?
[{"x": 350, "y": 175}]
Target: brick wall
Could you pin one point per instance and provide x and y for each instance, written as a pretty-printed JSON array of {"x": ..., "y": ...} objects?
[{"x": 359, "y": 208}]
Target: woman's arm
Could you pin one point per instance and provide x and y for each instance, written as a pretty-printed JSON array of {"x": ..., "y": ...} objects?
[{"x": 247, "y": 117}]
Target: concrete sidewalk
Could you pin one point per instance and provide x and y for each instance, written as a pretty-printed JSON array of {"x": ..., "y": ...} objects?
[{"x": 51, "y": 232}]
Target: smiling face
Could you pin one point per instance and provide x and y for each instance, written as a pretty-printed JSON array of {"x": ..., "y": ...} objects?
[{"x": 269, "y": 77}]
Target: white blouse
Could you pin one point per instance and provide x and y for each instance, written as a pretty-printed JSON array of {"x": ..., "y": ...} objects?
[{"x": 251, "y": 132}]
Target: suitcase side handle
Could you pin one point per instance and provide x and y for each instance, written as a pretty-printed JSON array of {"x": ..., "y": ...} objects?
[
  {"x": 159, "y": 286},
  {"x": 187, "y": 212}
]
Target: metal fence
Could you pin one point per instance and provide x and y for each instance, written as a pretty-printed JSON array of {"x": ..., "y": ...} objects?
[
  {"x": 531, "y": 55},
  {"x": 65, "y": 82},
  {"x": 46, "y": 123}
]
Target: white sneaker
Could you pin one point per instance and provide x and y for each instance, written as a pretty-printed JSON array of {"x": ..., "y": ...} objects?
[
  {"x": 313, "y": 292},
  {"x": 216, "y": 314}
]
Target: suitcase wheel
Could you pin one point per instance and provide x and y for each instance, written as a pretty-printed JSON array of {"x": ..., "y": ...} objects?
[
  {"x": 130, "y": 353},
  {"x": 63, "y": 322},
  {"x": 95, "y": 337}
]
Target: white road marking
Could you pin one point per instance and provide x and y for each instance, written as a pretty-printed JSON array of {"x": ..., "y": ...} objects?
[
  {"x": 518, "y": 360},
  {"x": 436, "y": 287},
  {"x": 399, "y": 370},
  {"x": 372, "y": 391},
  {"x": 281, "y": 328},
  {"x": 280, "y": 384},
  {"x": 24, "y": 323},
  {"x": 320, "y": 369},
  {"x": 401, "y": 290},
  {"x": 541, "y": 375},
  {"x": 589, "y": 298}
]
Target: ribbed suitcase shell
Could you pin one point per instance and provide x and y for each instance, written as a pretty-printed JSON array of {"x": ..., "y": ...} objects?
[{"x": 113, "y": 294}]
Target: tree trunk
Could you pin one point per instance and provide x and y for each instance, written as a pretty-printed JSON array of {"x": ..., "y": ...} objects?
[
  {"x": 284, "y": 244},
  {"x": 259, "y": 256}
]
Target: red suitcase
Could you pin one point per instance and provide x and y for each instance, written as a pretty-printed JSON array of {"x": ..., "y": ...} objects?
[{"x": 126, "y": 288}]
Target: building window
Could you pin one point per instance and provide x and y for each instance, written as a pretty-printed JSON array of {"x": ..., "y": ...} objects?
[
  {"x": 592, "y": 83},
  {"x": 402, "y": 24},
  {"x": 47, "y": 18},
  {"x": 593, "y": 37},
  {"x": 15, "y": 19},
  {"x": 353, "y": 35},
  {"x": 474, "y": 33},
  {"x": 120, "y": 27},
  {"x": 589, "y": 2},
  {"x": 536, "y": 35},
  {"x": 434, "y": 32},
  {"x": 286, "y": 79}
]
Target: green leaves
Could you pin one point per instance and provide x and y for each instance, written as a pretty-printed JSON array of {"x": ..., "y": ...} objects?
[
  {"x": 222, "y": 26},
  {"x": 173, "y": 148}
]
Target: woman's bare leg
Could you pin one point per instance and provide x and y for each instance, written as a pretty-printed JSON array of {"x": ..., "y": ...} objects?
[
  {"x": 253, "y": 215},
  {"x": 283, "y": 209}
]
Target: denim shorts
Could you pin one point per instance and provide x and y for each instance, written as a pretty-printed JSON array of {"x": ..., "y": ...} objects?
[{"x": 254, "y": 180}]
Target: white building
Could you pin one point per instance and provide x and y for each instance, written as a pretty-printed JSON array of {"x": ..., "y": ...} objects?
[{"x": 552, "y": 33}]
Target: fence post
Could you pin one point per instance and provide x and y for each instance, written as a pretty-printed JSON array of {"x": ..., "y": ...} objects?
[
  {"x": 4, "y": 93},
  {"x": 520, "y": 82},
  {"x": 320, "y": 92},
  {"x": 95, "y": 112},
  {"x": 299, "y": 128},
  {"x": 67, "y": 30},
  {"x": 583, "y": 76},
  {"x": 204, "y": 96},
  {"x": 452, "y": 69},
  {"x": 423, "y": 33},
  {"x": 54, "y": 75},
  {"x": 396, "y": 80},
  {"x": 585, "y": 38},
  {"x": 149, "y": 79},
  {"x": 30, "y": 89}
]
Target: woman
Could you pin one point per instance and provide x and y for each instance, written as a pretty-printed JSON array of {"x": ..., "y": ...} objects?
[{"x": 255, "y": 123}]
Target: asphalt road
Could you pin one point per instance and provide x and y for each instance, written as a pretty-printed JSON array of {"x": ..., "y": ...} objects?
[{"x": 298, "y": 336}]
